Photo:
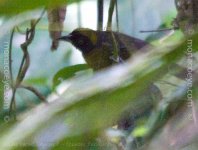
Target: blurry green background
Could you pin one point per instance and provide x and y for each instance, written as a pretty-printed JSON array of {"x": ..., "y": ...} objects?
[{"x": 134, "y": 16}]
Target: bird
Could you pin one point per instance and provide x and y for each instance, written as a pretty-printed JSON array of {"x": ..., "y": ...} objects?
[{"x": 98, "y": 47}]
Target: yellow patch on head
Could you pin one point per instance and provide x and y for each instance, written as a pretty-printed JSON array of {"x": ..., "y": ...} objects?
[{"x": 91, "y": 34}]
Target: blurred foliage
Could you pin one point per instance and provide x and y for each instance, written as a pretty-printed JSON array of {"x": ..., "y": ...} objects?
[
  {"x": 98, "y": 107},
  {"x": 36, "y": 81},
  {"x": 10, "y": 7},
  {"x": 86, "y": 107}
]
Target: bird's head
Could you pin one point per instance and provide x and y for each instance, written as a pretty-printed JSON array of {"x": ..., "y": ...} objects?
[{"x": 83, "y": 39}]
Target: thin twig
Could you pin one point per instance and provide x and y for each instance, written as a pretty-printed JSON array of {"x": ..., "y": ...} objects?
[
  {"x": 117, "y": 16},
  {"x": 11, "y": 73},
  {"x": 159, "y": 30},
  {"x": 25, "y": 62},
  {"x": 100, "y": 14},
  {"x": 35, "y": 91},
  {"x": 11, "y": 103},
  {"x": 37, "y": 21},
  {"x": 115, "y": 57},
  {"x": 110, "y": 14},
  {"x": 26, "y": 58},
  {"x": 10, "y": 56},
  {"x": 22, "y": 71}
]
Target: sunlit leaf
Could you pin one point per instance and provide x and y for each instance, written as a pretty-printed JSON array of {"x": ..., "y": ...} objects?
[{"x": 140, "y": 131}]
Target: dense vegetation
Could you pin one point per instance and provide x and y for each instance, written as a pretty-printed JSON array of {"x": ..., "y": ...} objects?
[{"x": 63, "y": 105}]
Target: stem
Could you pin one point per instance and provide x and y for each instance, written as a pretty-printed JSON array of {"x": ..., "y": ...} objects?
[
  {"x": 24, "y": 63},
  {"x": 100, "y": 14},
  {"x": 35, "y": 91},
  {"x": 110, "y": 14},
  {"x": 159, "y": 30},
  {"x": 37, "y": 21},
  {"x": 21, "y": 66},
  {"x": 115, "y": 57},
  {"x": 12, "y": 102},
  {"x": 117, "y": 17},
  {"x": 10, "y": 57},
  {"x": 26, "y": 58}
]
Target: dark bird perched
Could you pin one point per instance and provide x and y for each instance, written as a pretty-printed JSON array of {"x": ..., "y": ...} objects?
[{"x": 97, "y": 46}]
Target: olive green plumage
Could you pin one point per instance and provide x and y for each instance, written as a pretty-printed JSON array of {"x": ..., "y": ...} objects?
[{"x": 97, "y": 46}]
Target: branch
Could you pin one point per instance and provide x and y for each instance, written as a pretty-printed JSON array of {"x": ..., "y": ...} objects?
[
  {"x": 25, "y": 63},
  {"x": 100, "y": 14},
  {"x": 26, "y": 58},
  {"x": 115, "y": 56},
  {"x": 158, "y": 30},
  {"x": 10, "y": 56},
  {"x": 35, "y": 91},
  {"x": 110, "y": 14},
  {"x": 23, "y": 67},
  {"x": 41, "y": 16},
  {"x": 117, "y": 17}
]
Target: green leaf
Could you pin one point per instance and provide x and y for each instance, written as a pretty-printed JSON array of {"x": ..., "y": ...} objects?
[
  {"x": 36, "y": 81},
  {"x": 13, "y": 7},
  {"x": 140, "y": 131},
  {"x": 68, "y": 72}
]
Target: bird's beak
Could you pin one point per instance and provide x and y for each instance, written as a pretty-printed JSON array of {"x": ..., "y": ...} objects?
[{"x": 65, "y": 38}]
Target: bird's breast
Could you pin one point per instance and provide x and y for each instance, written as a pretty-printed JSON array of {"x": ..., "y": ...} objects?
[{"x": 98, "y": 58}]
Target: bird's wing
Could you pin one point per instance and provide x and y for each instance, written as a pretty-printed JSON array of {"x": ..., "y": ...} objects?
[{"x": 131, "y": 43}]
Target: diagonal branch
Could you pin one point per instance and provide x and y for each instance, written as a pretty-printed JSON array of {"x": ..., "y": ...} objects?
[{"x": 35, "y": 91}]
